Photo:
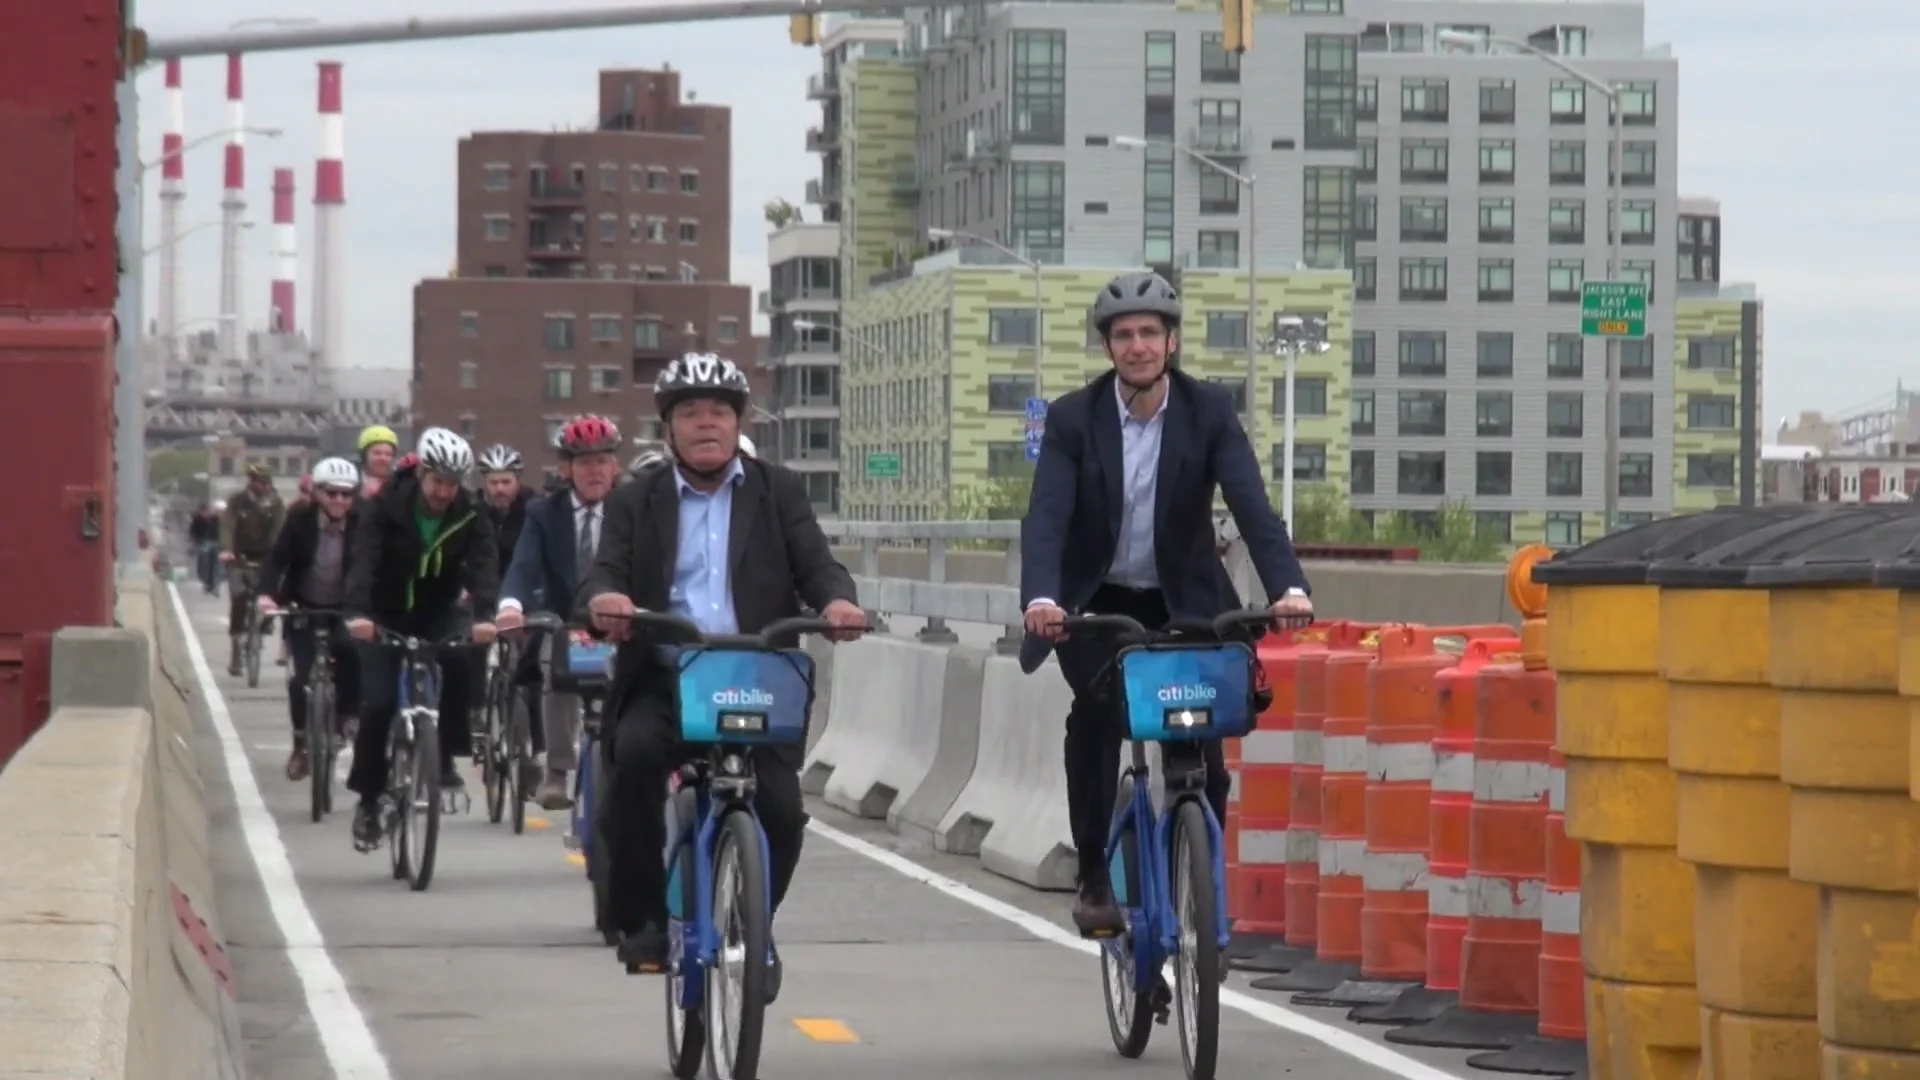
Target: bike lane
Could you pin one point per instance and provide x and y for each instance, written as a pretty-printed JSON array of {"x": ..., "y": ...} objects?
[{"x": 897, "y": 962}]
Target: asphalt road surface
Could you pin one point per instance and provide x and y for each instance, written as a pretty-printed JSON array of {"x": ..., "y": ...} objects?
[{"x": 899, "y": 962}]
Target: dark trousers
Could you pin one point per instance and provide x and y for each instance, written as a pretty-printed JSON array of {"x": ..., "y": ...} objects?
[
  {"x": 646, "y": 751},
  {"x": 243, "y": 577},
  {"x": 303, "y": 645},
  {"x": 1096, "y": 728},
  {"x": 526, "y": 681},
  {"x": 380, "y": 667}
]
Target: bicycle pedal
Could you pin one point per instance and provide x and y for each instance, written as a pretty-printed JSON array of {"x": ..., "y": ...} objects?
[
  {"x": 1099, "y": 935},
  {"x": 571, "y": 842}
]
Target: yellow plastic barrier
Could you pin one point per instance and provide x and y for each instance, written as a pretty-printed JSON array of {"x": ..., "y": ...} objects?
[{"x": 1637, "y": 896}]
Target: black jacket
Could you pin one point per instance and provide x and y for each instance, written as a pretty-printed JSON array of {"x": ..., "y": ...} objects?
[
  {"x": 400, "y": 582},
  {"x": 507, "y": 525},
  {"x": 294, "y": 550}
]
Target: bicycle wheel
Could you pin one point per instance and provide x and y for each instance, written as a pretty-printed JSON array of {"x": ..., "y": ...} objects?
[
  {"x": 1129, "y": 1011},
  {"x": 252, "y": 645},
  {"x": 1196, "y": 973},
  {"x": 517, "y": 755},
  {"x": 399, "y": 813},
  {"x": 423, "y": 825},
  {"x": 596, "y": 796},
  {"x": 493, "y": 745},
  {"x": 736, "y": 997},
  {"x": 320, "y": 742},
  {"x": 686, "y": 1027}
]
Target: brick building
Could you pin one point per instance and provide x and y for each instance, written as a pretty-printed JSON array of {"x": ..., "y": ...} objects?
[{"x": 586, "y": 260}]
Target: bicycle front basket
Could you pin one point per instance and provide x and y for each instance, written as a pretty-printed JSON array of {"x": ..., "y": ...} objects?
[
  {"x": 754, "y": 696},
  {"x": 580, "y": 662},
  {"x": 1187, "y": 691}
]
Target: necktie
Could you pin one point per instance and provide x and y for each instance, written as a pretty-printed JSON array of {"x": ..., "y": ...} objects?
[{"x": 583, "y": 555}]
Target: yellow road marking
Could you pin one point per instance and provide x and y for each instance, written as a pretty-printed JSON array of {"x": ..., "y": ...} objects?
[
  {"x": 576, "y": 858},
  {"x": 538, "y": 823},
  {"x": 827, "y": 1031}
]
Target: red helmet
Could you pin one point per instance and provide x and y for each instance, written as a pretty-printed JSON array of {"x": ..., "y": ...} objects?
[
  {"x": 588, "y": 435},
  {"x": 407, "y": 462}
]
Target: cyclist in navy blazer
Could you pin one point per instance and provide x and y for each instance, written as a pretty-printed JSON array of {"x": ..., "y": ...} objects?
[{"x": 1120, "y": 522}]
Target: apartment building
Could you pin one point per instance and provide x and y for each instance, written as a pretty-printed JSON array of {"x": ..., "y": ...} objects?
[
  {"x": 802, "y": 305},
  {"x": 587, "y": 258},
  {"x": 1718, "y": 369}
]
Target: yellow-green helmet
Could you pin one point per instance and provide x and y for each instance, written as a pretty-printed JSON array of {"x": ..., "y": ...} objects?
[{"x": 375, "y": 434}]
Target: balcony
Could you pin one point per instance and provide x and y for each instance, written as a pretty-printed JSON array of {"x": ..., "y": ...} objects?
[
  {"x": 544, "y": 250},
  {"x": 819, "y": 142},
  {"x": 1217, "y": 141},
  {"x": 824, "y": 192},
  {"x": 556, "y": 196},
  {"x": 823, "y": 86}
]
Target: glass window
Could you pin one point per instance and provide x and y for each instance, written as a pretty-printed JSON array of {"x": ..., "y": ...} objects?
[
  {"x": 1711, "y": 412},
  {"x": 1361, "y": 412},
  {"x": 1423, "y": 218},
  {"x": 1216, "y": 64},
  {"x": 469, "y": 375},
  {"x": 1226, "y": 330},
  {"x": 1366, "y": 108},
  {"x": 1157, "y": 230},
  {"x": 1496, "y": 161},
  {"x": 1363, "y": 352},
  {"x": 1423, "y": 279},
  {"x": 1495, "y": 354},
  {"x": 1564, "y": 279},
  {"x": 1638, "y": 216},
  {"x": 1710, "y": 470},
  {"x": 1496, "y": 101},
  {"x": 1566, "y": 414},
  {"x": 1010, "y": 326},
  {"x": 559, "y": 332},
  {"x": 1423, "y": 100},
  {"x": 1564, "y": 473},
  {"x": 1309, "y": 391},
  {"x": 1008, "y": 393},
  {"x": 1710, "y": 353},
  {"x": 1332, "y": 91},
  {"x": 1218, "y": 194},
  {"x": 1360, "y": 472},
  {"x": 1309, "y": 462},
  {"x": 1566, "y": 163},
  {"x": 1639, "y": 163},
  {"x": 1642, "y": 272},
  {"x": 689, "y": 182},
  {"x": 1567, "y": 221},
  {"x": 1494, "y": 525},
  {"x": 1636, "y": 358},
  {"x": 1423, "y": 161},
  {"x": 1236, "y": 386},
  {"x": 1563, "y": 530},
  {"x": 646, "y": 333},
  {"x": 559, "y": 384},
  {"x": 1567, "y": 101},
  {"x": 1493, "y": 413},
  {"x": 604, "y": 327},
  {"x": 1423, "y": 353},
  {"x": 1566, "y": 356},
  {"x": 498, "y": 178},
  {"x": 1365, "y": 277},
  {"x": 1496, "y": 221},
  {"x": 1039, "y": 210},
  {"x": 1639, "y": 107},
  {"x": 1040, "y": 87},
  {"x": 1327, "y": 216},
  {"x": 1493, "y": 472},
  {"x": 1423, "y": 412},
  {"x": 1636, "y": 416},
  {"x": 1423, "y": 472},
  {"x": 1636, "y": 475},
  {"x": 1367, "y": 168},
  {"x": 1496, "y": 280},
  {"x": 469, "y": 324}
]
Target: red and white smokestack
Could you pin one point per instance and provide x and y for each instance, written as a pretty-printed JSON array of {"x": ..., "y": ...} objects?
[
  {"x": 232, "y": 205},
  {"x": 286, "y": 253},
  {"x": 173, "y": 191},
  {"x": 329, "y": 323}
]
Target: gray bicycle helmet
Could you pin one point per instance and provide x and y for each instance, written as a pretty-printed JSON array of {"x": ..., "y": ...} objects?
[
  {"x": 700, "y": 375},
  {"x": 501, "y": 458},
  {"x": 1141, "y": 293}
]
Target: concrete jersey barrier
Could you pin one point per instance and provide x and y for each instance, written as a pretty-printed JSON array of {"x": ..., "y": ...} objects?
[
  {"x": 1013, "y": 810},
  {"x": 112, "y": 964}
]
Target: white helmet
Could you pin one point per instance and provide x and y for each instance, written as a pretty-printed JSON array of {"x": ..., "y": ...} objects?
[
  {"x": 746, "y": 446},
  {"x": 443, "y": 452},
  {"x": 336, "y": 472},
  {"x": 700, "y": 375}
]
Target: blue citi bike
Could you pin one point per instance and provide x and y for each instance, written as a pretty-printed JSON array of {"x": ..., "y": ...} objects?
[
  {"x": 573, "y": 662},
  {"x": 1180, "y": 688},
  {"x": 414, "y": 801},
  {"x": 736, "y": 694}
]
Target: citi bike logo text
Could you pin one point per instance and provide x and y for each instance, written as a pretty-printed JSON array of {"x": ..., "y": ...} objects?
[
  {"x": 758, "y": 698},
  {"x": 1186, "y": 695}
]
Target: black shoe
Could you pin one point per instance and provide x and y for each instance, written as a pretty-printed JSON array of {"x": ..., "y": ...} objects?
[
  {"x": 1095, "y": 914},
  {"x": 644, "y": 952},
  {"x": 366, "y": 825},
  {"x": 775, "y": 970}
]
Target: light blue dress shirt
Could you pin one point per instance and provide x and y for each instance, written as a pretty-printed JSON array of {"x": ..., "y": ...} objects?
[
  {"x": 1133, "y": 562},
  {"x": 702, "y": 581}
]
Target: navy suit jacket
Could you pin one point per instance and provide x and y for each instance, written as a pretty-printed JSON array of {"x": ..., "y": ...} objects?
[
  {"x": 542, "y": 576},
  {"x": 1072, "y": 528}
]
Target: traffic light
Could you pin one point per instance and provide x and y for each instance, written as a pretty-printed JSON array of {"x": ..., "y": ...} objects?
[
  {"x": 1236, "y": 25},
  {"x": 804, "y": 29}
]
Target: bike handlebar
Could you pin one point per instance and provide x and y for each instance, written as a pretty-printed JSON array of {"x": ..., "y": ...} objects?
[
  {"x": 543, "y": 620},
  {"x": 414, "y": 643},
  {"x": 1223, "y": 625},
  {"x": 684, "y": 632}
]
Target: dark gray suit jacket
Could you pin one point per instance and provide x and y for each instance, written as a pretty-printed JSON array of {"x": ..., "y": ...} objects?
[{"x": 777, "y": 558}]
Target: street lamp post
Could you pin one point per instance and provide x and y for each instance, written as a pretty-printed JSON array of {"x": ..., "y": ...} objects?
[
  {"x": 1616, "y": 267},
  {"x": 178, "y": 151},
  {"x": 184, "y": 233},
  {"x": 1039, "y": 296},
  {"x": 1293, "y": 335}
]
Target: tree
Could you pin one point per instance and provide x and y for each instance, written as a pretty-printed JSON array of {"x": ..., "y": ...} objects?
[
  {"x": 1322, "y": 516},
  {"x": 781, "y": 213},
  {"x": 179, "y": 470},
  {"x": 1003, "y": 499}
]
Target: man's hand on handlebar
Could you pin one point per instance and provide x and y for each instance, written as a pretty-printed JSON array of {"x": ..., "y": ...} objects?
[
  {"x": 226, "y": 558},
  {"x": 362, "y": 629},
  {"x": 1047, "y": 621},
  {"x": 612, "y": 615},
  {"x": 482, "y": 633},
  {"x": 510, "y": 620},
  {"x": 850, "y": 620},
  {"x": 265, "y": 604},
  {"x": 1291, "y": 609}
]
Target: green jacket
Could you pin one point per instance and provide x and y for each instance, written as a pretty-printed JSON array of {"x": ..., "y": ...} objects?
[{"x": 249, "y": 525}]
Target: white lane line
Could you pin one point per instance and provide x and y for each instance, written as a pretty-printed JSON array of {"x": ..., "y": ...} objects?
[
  {"x": 1346, "y": 1042},
  {"x": 345, "y": 1035}
]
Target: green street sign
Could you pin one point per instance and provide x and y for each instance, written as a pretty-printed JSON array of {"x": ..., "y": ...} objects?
[
  {"x": 883, "y": 466},
  {"x": 1613, "y": 309}
]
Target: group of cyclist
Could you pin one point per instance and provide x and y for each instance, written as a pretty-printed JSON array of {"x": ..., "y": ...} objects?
[{"x": 404, "y": 544}]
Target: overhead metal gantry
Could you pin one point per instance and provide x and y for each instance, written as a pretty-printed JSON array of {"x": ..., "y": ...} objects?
[{"x": 321, "y": 35}]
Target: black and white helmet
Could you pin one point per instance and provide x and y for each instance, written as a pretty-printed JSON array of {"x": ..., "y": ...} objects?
[
  {"x": 1140, "y": 293},
  {"x": 443, "y": 452},
  {"x": 501, "y": 458},
  {"x": 700, "y": 375}
]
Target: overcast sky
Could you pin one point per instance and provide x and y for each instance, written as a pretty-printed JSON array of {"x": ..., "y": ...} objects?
[{"x": 1790, "y": 115}]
